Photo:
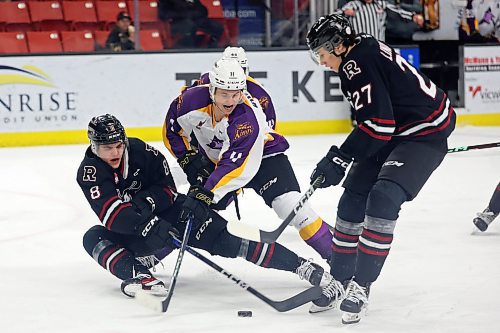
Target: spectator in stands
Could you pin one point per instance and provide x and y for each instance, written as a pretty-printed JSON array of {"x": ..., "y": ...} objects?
[
  {"x": 186, "y": 17},
  {"x": 400, "y": 31},
  {"x": 121, "y": 38}
]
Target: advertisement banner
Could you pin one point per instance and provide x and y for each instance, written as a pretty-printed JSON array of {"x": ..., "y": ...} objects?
[
  {"x": 53, "y": 93},
  {"x": 482, "y": 79}
]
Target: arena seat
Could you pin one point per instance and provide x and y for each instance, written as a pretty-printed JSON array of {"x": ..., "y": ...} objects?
[
  {"x": 77, "y": 41},
  {"x": 14, "y": 16},
  {"x": 107, "y": 11},
  {"x": 80, "y": 15},
  {"x": 151, "y": 40},
  {"x": 13, "y": 42},
  {"x": 43, "y": 41},
  {"x": 100, "y": 37},
  {"x": 47, "y": 15}
]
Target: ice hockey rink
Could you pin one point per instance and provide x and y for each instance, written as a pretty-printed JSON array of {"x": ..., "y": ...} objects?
[{"x": 439, "y": 276}]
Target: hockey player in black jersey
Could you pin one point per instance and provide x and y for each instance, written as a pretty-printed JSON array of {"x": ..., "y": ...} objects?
[
  {"x": 403, "y": 121},
  {"x": 129, "y": 186}
]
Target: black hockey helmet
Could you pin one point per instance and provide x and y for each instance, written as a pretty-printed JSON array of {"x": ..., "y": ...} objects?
[
  {"x": 329, "y": 32},
  {"x": 105, "y": 129}
]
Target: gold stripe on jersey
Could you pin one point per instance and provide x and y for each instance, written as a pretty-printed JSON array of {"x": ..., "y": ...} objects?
[{"x": 231, "y": 175}]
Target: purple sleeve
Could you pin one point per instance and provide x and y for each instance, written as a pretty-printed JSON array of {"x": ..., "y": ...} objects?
[{"x": 172, "y": 138}]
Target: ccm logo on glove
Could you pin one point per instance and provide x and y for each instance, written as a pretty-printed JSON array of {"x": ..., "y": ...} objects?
[
  {"x": 341, "y": 162},
  {"x": 149, "y": 226}
]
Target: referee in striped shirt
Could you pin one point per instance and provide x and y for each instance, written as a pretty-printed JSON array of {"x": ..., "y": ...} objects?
[{"x": 369, "y": 16}]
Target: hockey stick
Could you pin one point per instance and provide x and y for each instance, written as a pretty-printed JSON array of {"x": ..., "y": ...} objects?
[
  {"x": 253, "y": 233},
  {"x": 467, "y": 148},
  {"x": 288, "y": 304},
  {"x": 153, "y": 301}
]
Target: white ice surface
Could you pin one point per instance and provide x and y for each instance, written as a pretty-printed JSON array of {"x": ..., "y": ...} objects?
[{"x": 438, "y": 278}]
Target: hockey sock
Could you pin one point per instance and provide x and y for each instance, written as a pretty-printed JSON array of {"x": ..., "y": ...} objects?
[
  {"x": 373, "y": 249},
  {"x": 272, "y": 256},
  {"x": 117, "y": 260},
  {"x": 318, "y": 236},
  {"x": 343, "y": 260}
]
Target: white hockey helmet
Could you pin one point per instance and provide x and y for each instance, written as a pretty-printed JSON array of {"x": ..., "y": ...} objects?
[
  {"x": 239, "y": 54},
  {"x": 227, "y": 74}
]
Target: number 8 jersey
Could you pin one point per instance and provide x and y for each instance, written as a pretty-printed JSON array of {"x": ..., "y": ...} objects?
[{"x": 392, "y": 100}]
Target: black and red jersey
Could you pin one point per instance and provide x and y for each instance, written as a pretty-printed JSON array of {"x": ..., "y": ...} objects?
[
  {"x": 110, "y": 192},
  {"x": 391, "y": 99}
]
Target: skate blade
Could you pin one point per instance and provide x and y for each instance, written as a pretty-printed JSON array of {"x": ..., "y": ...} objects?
[
  {"x": 317, "y": 309},
  {"x": 350, "y": 318}
]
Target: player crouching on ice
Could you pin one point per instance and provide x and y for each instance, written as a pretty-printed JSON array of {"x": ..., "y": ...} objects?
[{"x": 129, "y": 186}]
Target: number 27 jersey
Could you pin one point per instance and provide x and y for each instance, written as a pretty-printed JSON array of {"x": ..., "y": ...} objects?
[{"x": 391, "y": 99}]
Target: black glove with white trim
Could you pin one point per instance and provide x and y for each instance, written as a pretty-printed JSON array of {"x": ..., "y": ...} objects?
[
  {"x": 144, "y": 200},
  {"x": 156, "y": 231},
  {"x": 196, "y": 167},
  {"x": 332, "y": 167}
]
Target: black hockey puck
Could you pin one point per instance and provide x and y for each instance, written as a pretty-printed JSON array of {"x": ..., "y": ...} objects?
[{"x": 244, "y": 313}]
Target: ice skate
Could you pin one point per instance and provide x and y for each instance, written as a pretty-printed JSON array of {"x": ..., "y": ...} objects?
[
  {"x": 484, "y": 219},
  {"x": 333, "y": 293},
  {"x": 313, "y": 273},
  {"x": 144, "y": 281},
  {"x": 354, "y": 303}
]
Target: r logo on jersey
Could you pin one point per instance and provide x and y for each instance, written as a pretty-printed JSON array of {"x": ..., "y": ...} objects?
[
  {"x": 351, "y": 68},
  {"x": 89, "y": 173}
]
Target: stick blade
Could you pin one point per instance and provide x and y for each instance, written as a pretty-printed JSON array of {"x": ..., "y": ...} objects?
[
  {"x": 244, "y": 231},
  {"x": 300, "y": 299},
  {"x": 150, "y": 301}
]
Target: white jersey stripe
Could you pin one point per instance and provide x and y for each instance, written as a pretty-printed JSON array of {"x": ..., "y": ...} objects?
[
  {"x": 379, "y": 129},
  {"x": 434, "y": 123},
  {"x": 110, "y": 210}
]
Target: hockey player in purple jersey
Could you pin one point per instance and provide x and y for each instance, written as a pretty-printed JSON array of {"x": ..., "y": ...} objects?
[
  {"x": 403, "y": 122},
  {"x": 484, "y": 219},
  {"x": 129, "y": 186},
  {"x": 232, "y": 132}
]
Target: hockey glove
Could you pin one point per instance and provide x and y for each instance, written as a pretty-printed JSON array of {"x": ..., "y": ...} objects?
[
  {"x": 156, "y": 231},
  {"x": 196, "y": 205},
  {"x": 332, "y": 167},
  {"x": 196, "y": 167},
  {"x": 144, "y": 201}
]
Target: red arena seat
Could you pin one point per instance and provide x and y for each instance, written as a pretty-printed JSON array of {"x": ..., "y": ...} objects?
[
  {"x": 13, "y": 42},
  {"x": 43, "y": 41}
]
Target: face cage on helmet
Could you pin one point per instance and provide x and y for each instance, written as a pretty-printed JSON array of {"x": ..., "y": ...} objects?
[
  {"x": 329, "y": 46},
  {"x": 94, "y": 145},
  {"x": 107, "y": 139}
]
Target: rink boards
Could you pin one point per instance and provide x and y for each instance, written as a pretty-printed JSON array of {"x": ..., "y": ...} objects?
[{"x": 50, "y": 99}]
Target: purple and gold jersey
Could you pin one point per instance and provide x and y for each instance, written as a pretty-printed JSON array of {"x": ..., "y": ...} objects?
[{"x": 236, "y": 144}]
